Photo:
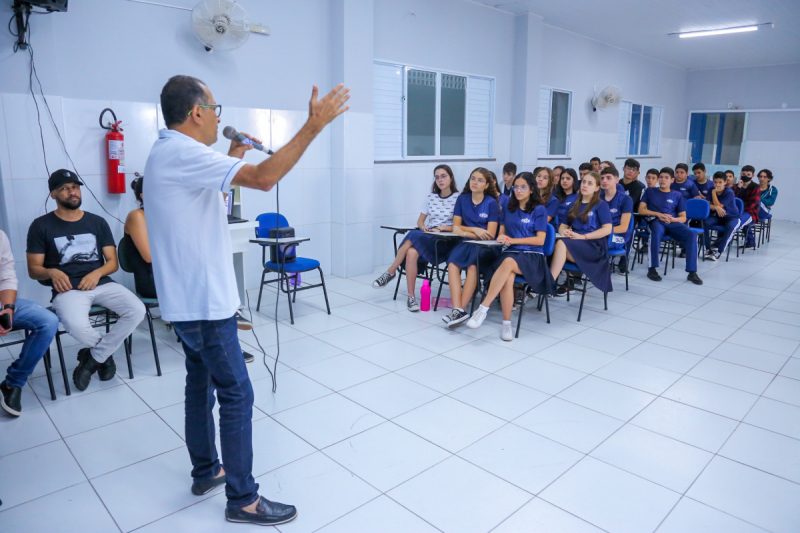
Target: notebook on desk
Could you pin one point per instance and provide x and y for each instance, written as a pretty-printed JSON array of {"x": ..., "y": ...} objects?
[{"x": 229, "y": 200}]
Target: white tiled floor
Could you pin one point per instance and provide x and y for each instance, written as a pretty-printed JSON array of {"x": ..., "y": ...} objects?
[{"x": 677, "y": 410}]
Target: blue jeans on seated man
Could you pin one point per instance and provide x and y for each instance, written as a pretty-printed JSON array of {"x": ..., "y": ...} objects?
[
  {"x": 680, "y": 233},
  {"x": 41, "y": 326},
  {"x": 214, "y": 362}
]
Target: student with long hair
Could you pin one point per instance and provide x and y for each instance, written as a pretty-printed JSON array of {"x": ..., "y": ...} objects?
[
  {"x": 585, "y": 236},
  {"x": 769, "y": 193},
  {"x": 436, "y": 215},
  {"x": 522, "y": 231},
  {"x": 544, "y": 184},
  {"x": 566, "y": 191},
  {"x": 476, "y": 216}
]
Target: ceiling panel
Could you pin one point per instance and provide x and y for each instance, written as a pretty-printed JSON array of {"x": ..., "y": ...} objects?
[{"x": 643, "y": 26}]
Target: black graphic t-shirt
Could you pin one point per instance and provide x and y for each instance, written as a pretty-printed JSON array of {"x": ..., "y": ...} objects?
[{"x": 75, "y": 248}]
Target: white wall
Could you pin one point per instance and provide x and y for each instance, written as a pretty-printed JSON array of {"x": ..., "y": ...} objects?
[{"x": 772, "y": 138}]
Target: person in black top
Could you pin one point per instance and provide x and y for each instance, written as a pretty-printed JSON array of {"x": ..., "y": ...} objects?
[
  {"x": 136, "y": 246},
  {"x": 73, "y": 251},
  {"x": 630, "y": 182}
]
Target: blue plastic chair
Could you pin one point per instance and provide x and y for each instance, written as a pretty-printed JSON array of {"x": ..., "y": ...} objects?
[
  {"x": 625, "y": 251},
  {"x": 699, "y": 210},
  {"x": 285, "y": 269},
  {"x": 547, "y": 251}
]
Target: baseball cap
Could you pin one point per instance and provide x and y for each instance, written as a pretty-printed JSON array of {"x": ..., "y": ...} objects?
[{"x": 61, "y": 177}]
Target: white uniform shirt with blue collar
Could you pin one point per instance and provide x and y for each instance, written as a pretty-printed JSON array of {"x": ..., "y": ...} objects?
[{"x": 188, "y": 228}]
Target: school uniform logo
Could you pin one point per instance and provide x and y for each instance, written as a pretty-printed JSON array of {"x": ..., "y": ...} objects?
[
  {"x": 526, "y": 221},
  {"x": 484, "y": 215},
  {"x": 614, "y": 210},
  {"x": 669, "y": 201}
]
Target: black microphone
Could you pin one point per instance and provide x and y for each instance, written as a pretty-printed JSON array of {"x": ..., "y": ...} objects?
[{"x": 229, "y": 132}]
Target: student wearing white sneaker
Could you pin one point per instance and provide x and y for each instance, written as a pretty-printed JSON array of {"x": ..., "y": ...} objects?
[
  {"x": 724, "y": 217},
  {"x": 476, "y": 216},
  {"x": 436, "y": 216},
  {"x": 522, "y": 231}
]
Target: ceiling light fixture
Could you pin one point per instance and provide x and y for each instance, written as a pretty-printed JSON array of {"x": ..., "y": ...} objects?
[{"x": 721, "y": 31}]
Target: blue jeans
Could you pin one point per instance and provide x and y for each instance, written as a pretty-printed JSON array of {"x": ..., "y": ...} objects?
[
  {"x": 214, "y": 361},
  {"x": 41, "y": 325}
]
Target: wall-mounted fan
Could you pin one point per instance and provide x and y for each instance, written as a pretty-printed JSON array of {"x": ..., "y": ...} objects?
[
  {"x": 223, "y": 24},
  {"x": 609, "y": 96}
]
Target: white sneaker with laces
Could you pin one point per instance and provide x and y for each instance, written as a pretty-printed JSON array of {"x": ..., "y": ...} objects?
[
  {"x": 477, "y": 318},
  {"x": 507, "y": 332}
]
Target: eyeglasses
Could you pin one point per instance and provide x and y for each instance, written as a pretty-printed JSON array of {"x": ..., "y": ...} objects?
[
  {"x": 216, "y": 107},
  {"x": 521, "y": 188}
]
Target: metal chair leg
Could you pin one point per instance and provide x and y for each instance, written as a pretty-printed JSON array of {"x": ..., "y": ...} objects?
[
  {"x": 153, "y": 339},
  {"x": 63, "y": 365},
  {"x": 48, "y": 371},
  {"x": 261, "y": 289},
  {"x": 324, "y": 290}
]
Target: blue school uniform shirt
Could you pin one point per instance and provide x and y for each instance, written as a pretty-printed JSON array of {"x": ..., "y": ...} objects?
[
  {"x": 705, "y": 188},
  {"x": 728, "y": 200},
  {"x": 476, "y": 216},
  {"x": 563, "y": 207},
  {"x": 503, "y": 199},
  {"x": 552, "y": 207},
  {"x": 688, "y": 189},
  {"x": 597, "y": 218},
  {"x": 521, "y": 225},
  {"x": 670, "y": 203},
  {"x": 621, "y": 203}
]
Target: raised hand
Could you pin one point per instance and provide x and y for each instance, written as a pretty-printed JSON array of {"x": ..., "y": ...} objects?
[{"x": 322, "y": 111}]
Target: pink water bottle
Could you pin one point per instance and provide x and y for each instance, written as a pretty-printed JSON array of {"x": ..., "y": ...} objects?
[{"x": 425, "y": 296}]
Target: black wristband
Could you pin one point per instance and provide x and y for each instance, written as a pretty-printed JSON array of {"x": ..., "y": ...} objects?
[{"x": 9, "y": 306}]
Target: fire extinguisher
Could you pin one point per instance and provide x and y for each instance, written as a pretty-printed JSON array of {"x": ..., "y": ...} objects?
[{"x": 115, "y": 153}]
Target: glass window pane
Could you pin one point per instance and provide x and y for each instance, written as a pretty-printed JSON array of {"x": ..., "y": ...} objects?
[
  {"x": 635, "y": 127},
  {"x": 647, "y": 115},
  {"x": 421, "y": 113},
  {"x": 559, "y": 119},
  {"x": 732, "y": 135},
  {"x": 453, "y": 112}
]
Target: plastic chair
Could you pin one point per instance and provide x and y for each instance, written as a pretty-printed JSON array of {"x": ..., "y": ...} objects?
[
  {"x": 285, "y": 269},
  {"x": 624, "y": 252},
  {"x": 46, "y": 359},
  {"x": 124, "y": 254},
  {"x": 547, "y": 251},
  {"x": 698, "y": 210}
]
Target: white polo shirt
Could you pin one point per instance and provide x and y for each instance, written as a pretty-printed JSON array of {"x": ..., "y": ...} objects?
[{"x": 188, "y": 228}]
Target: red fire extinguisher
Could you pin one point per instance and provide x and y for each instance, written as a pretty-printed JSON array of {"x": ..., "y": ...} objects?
[{"x": 115, "y": 153}]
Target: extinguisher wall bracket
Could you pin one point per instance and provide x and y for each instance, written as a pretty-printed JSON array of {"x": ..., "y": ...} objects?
[{"x": 110, "y": 125}]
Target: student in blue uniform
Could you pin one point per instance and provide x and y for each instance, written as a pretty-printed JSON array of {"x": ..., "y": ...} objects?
[
  {"x": 509, "y": 171},
  {"x": 585, "y": 236},
  {"x": 476, "y": 216},
  {"x": 651, "y": 179},
  {"x": 566, "y": 191},
  {"x": 620, "y": 205},
  {"x": 583, "y": 169},
  {"x": 701, "y": 181},
  {"x": 522, "y": 232},
  {"x": 668, "y": 207},
  {"x": 724, "y": 217},
  {"x": 557, "y": 170},
  {"x": 544, "y": 184},
  {"x": 683, "y": 184},
  {"x": 436, "y": 215}
]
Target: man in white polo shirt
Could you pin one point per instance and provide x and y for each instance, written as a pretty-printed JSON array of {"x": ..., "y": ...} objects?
[{"x": 195, "y": 280}]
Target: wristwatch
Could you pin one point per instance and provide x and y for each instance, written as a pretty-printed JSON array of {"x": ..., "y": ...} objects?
[{"x": 9, "y": 306}]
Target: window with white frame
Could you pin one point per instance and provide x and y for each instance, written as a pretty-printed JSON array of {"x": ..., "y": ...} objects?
[
  {"x": 421, "y": 113},
  {"x": 639, "y": 129},
  {"x": 555, "y": 108}
]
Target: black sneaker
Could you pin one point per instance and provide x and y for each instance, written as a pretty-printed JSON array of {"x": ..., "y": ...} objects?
[
  {"x": 107, "y": 370},
  {"x": 383, "y": 280},
  {"x": 87, "y": 366},
  {"x": 204, "y": 486},
  {"x": 242, "y": 323},
  {"x": 694, "y": 278},
  {"x": 267, "y": 513},
  {"x": 653, "y": 274},
  {"x": 10, "y": 399},
  {"x": 455, "y": 317},
  {"x": 248, "y": 357}
]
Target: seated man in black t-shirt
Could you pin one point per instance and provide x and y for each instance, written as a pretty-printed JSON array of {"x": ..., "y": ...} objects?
[{"x": 73, "y": 251}]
